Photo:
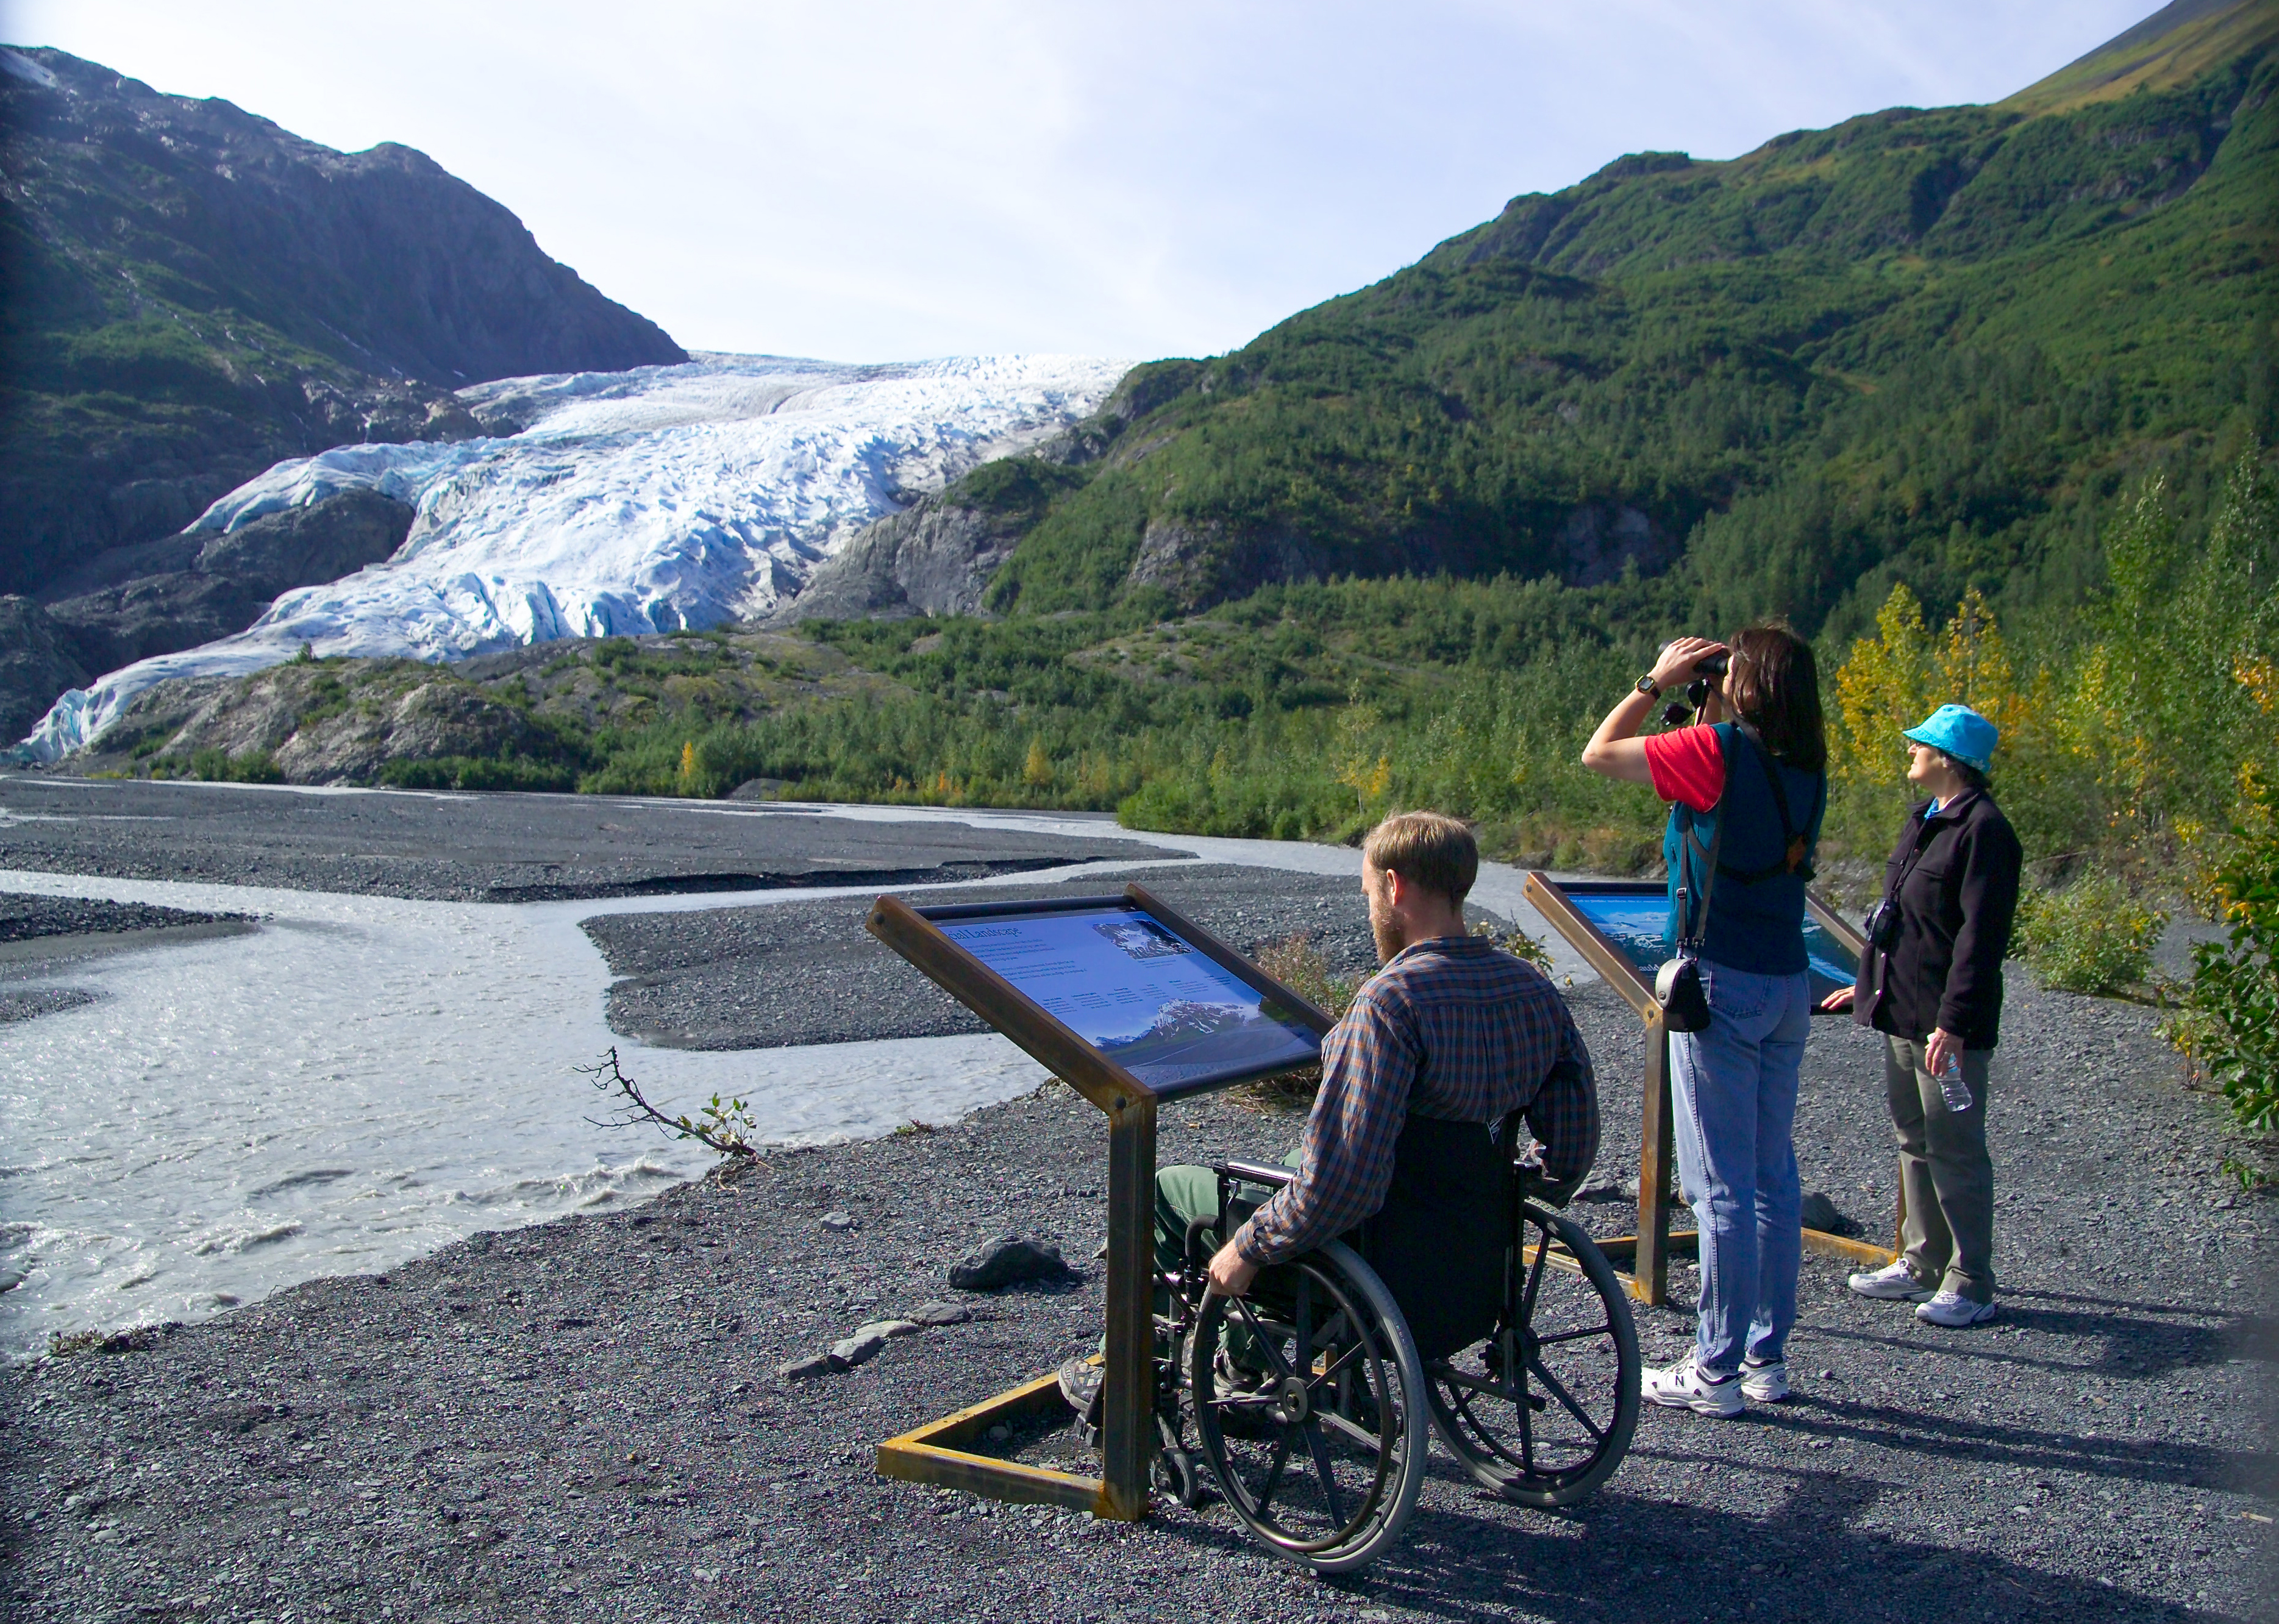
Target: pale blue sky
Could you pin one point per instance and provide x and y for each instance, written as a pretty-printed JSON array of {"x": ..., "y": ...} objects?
[{"x": 877, "y": 181}]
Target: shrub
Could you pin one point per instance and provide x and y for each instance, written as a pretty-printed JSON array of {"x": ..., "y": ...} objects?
[
  {"x": 2092, "y": 937},
  {"x": 1299, "y": 965},
  {"x": 2228, "y": 1022}
]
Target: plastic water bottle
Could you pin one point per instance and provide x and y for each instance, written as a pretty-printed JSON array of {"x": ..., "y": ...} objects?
[{"x": 1951, "y": 1088}]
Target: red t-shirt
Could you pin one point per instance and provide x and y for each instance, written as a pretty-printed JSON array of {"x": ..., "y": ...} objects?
[{"x": 1687, "y": 765}]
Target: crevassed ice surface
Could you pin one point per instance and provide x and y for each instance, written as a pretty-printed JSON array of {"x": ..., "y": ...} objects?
[{"x": 649, "y": 500}]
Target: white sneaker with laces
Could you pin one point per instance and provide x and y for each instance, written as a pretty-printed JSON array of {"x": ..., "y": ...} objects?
[
  {"x": 1684, "y": 1386},
  {"x": 1954, "y": 1311},
  {"x": 1767, "y": 1383},
  {"x": 1894, "y": 1282}
]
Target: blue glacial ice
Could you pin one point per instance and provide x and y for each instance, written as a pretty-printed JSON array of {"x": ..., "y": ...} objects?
[{"x": 619, "y": 502}]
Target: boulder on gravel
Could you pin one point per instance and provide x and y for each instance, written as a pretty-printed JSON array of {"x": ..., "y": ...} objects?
[
  {"x": 1819, "y": 1213},
  {"x": 888, "y": 1329},
  {"x": 941, "y": 1313},
  {"x": 1005, "y": 1261},
  {"x": 859, "y": 1348},
  {"x": 800, "y": 1369}
]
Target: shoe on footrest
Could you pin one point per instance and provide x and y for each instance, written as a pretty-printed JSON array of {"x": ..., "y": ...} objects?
[
  {"x": 1954, "y": 1311},
  {"x": 1081, "y": 1383},
  {"x": 1687, "y": 1386},
  {"x": 1766, "y": 1383},
  {"x": 1894, "y": 1282}
]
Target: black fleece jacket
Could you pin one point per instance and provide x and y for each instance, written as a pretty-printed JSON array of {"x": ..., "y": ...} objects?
[{"x": 1956, "y": 876}]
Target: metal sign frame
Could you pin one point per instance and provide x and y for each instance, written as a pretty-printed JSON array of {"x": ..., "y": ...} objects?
[
  {"x": 1648, "y": 1251},
  {"x": 939, "y": 1453}
]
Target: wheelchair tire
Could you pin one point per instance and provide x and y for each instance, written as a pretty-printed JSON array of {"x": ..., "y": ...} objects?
[
  {"x": 1542, "y": 1412},
  {"x": 1309, "y": 1408}
]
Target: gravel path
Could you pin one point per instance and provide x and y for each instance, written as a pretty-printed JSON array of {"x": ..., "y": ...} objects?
[
  {"x": 581, "y": 1421},
  {"x": 494, "y": 848},
  {"x": 808, "y": 972}
]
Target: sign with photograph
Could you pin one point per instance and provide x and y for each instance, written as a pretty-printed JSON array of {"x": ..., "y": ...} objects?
[{"x": 1134, "y": 989}]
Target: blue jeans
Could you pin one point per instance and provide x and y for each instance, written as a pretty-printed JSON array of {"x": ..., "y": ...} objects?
[{"x": 1734, "y": 1090}]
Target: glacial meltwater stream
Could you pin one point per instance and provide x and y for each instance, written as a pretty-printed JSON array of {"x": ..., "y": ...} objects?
[{"x": 362, "y": 1080}]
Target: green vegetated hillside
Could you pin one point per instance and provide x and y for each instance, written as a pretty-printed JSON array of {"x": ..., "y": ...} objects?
[{"x": 1978, "y": 397}]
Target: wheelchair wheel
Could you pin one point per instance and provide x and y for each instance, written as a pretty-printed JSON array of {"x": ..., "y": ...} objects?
[
  {"x": 1309, "y": 1406},
  {"x": 1542, "y": 1412}
]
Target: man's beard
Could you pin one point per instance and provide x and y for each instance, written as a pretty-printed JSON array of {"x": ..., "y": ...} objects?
[{"x": 1387, "y": 932}]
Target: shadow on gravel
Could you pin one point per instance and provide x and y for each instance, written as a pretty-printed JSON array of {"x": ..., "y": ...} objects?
[
  {"x": 1640, "y": 1559},
  {"x": 2136, "y": 1348},
  {"x": 1994, "y": 1443}
]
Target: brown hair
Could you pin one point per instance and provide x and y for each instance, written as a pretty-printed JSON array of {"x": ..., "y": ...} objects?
[
  {"x": 1425, "y": 849},
  {"x": 1775, "y": 687}
]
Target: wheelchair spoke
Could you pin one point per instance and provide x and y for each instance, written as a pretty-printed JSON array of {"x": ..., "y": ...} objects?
[
  {"x": 1319, "y": 1449},
  {"x": 1560, "y": 1393},
  {"x": 1534, "y": 1279},
  {"x": 1274, "y": 1475},
  {"x": 1264, "y": 1341},
  {"x": 1329, "y": 1372},
  {"x": 1573, "y": 1336},
  {"x": 1350, "y": 1429}
]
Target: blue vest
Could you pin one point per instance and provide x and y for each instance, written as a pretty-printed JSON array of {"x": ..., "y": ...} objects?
[{"x": 1759, "y": 927}]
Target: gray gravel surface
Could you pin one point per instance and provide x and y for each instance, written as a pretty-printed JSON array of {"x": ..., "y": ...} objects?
[
  {"x": 24, "y": 919},
  {"x": 808, "y": 972},
  {"x": 492, "y": 848},
  {"x": 581, "y": 1420}
]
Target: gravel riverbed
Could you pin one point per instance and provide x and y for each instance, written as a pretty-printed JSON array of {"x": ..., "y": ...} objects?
[{"x": 581, "y": 1420}]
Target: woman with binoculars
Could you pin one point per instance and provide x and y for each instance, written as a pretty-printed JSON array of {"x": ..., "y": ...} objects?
[
  {"x": 1931, "y": 982},
  {"x": 1747, "y": 799}
]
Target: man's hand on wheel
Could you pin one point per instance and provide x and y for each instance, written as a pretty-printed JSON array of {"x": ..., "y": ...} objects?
[{"x": 1231, "y": 1274}]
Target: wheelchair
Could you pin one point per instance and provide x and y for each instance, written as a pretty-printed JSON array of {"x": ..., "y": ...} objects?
[{"x": 1312, "y": 1412}]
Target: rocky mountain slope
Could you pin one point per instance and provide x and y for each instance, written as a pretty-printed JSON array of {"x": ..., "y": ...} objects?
[{"x": 192, "y": 293}]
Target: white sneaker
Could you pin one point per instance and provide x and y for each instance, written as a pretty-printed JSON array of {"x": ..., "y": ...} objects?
[
  {"x": 1767, "y": 1383},
  {"x": 1684, "y": 1387},
  {"x": 1954, "y": 1311},
  {"x": 1894, "y": 1282}
]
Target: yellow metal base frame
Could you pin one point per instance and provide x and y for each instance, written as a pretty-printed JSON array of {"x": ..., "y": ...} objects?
[
  {"x": 936, "y": 1453},
  {"x": 1621, "y": 1249}
]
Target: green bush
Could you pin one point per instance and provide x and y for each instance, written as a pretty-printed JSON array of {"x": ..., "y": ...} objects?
[
  {"x": 219, "y": 766},
  {"x": 2092, "y": 937},
  {"x": 2228, "y": 1022},
  {"x": 479, "y": 772}
]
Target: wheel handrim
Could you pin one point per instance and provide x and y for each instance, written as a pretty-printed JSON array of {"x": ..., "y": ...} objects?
[{"x": 1316, "y": 1447}]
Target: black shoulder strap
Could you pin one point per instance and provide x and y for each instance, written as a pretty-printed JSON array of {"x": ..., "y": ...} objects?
[{"x": 1795, "y": 843}]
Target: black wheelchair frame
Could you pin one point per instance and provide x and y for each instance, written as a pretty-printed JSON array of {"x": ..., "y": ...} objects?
[{"x": 1313, "y": 1413}]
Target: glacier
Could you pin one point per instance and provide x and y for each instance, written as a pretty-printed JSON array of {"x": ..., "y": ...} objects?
[{"x": 657, "y": 499}]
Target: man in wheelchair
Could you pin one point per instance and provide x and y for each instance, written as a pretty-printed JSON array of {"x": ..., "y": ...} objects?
[{"x": 1402, "y": 1158}]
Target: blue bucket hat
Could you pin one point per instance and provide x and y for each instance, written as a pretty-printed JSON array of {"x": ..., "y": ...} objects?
[{"x": 1959, "y": 730}]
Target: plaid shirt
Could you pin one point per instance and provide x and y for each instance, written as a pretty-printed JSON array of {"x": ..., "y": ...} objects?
[{"x": 1451, "y": 1028}]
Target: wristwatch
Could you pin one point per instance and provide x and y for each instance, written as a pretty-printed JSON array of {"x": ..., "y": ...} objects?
[{"x": 1647, "y": 686}]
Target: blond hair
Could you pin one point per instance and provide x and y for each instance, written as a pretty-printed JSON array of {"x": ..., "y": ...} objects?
[{"x": 1427, "y": 849}]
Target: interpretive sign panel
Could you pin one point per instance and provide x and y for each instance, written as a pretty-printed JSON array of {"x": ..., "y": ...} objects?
[
  {"x": 1129, "y": 1005},
  {"x": 1631, "y": 915},
  {"x": 1136, "y": 989}
]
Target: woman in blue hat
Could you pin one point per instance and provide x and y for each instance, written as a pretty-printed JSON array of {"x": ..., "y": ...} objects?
[{"x": 1931, "y": 982}]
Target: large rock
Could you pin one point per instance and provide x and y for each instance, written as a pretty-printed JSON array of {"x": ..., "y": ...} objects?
[
  {"x": 209, "y": 584},
  {"x": 38, "y": 660}
]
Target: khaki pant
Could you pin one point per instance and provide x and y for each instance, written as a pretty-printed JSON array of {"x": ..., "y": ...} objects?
[{"x": 1944, "y": 1172}]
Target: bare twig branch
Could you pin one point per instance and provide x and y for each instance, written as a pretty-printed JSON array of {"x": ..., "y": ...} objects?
[{"x": 723, "y": 1127}]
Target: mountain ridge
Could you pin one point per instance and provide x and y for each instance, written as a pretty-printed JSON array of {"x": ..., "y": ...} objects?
[{"x": 193, "y": 293}]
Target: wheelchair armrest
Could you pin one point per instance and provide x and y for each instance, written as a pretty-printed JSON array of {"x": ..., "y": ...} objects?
[{"x": 1256, "y": 1173}]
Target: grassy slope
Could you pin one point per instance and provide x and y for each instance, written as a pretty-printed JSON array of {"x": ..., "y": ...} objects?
[{"x": 1817, "y": 362}]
